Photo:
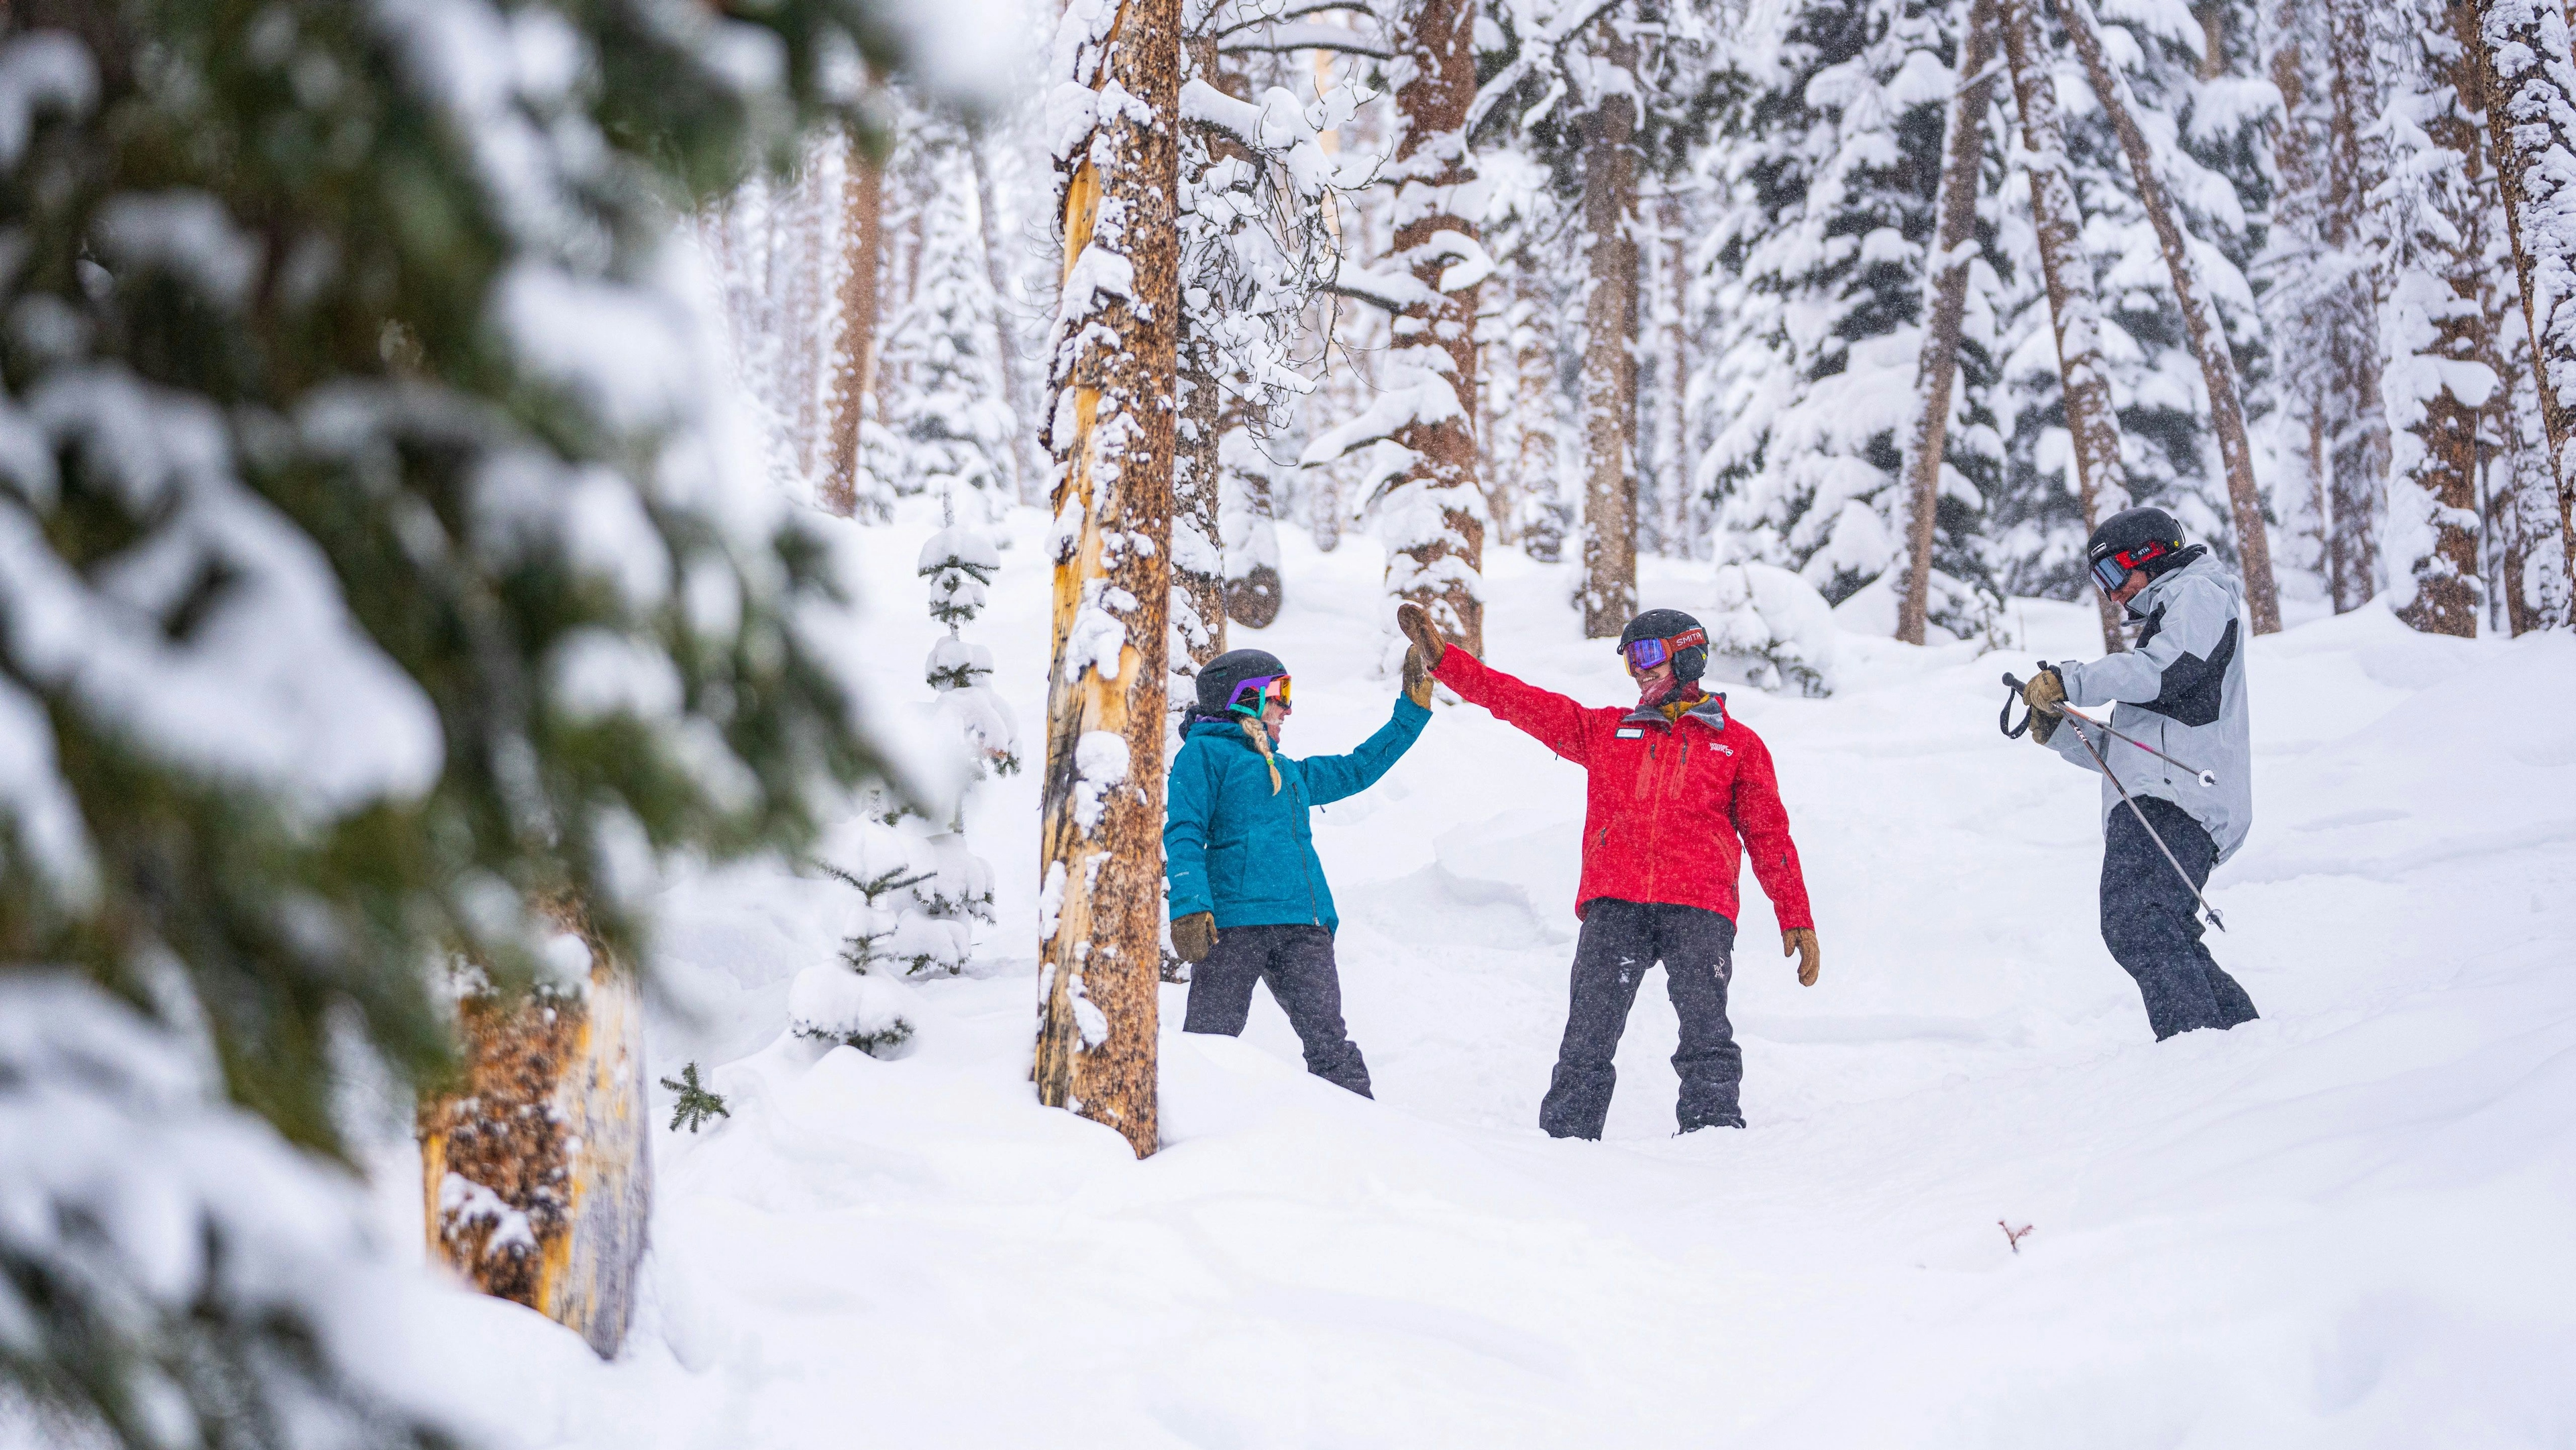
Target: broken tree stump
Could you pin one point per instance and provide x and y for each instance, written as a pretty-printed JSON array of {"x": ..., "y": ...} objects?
[{"x": 536, "y": 1168}]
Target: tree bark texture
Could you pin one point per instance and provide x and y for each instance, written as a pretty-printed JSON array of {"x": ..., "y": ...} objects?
[
  {"x": 2199, "y": 318},
  {"x": 1101, "y": 812},
  {"x": 1610, "y": 355},
  {"x": 1945, "y": 305},
  {"x": 1441, "y": 569},
  {"x": 1672, "y": 369},
  {"x": 2531, "y": 110},
  {"x": 1198, "y": 551},
  {"x": 536, "y": 1173},
  {"x": 854, "y": 354},
  {"x": 2074, "y": 311},
  {"x": 1254, "y": 589}
]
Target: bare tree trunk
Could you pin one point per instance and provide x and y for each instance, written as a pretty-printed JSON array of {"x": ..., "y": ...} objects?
[
  {"x": 1101, "y": 853},
  {"x": 1945, "y": 305},
  {"x": 1672, "y": 364},
  {"x": 854, "y": 356},
  {"x": 1441, "y": 569},
  {"x": 2531, "y": 109},
  {"x": 2075, "y": 314},
  {"x": 535, "y": 1171},
  {"x": 1198, "y": 550},
  {"x": 2358, "y": 452},
  {"x": 1610, "y": 355},
  {"x": 2447, "y": 582},
  {"x": 2200, "y": 320},
  {"x": 1253, "y": 587},
  {"x": 1026, "y": 473},
  {"x": 1534, "y": 423}
]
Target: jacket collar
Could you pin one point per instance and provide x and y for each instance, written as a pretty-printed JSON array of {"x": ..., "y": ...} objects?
[{"x": 1710, "y": 712}]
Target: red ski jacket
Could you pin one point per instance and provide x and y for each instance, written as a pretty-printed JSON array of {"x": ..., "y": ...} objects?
[{"x": 1667, "y": 800}]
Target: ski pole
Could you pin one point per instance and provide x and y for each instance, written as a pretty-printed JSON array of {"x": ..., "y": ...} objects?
[
  {"x": 2126, "y": 799},
  {"x": 2207, "y": 778}
]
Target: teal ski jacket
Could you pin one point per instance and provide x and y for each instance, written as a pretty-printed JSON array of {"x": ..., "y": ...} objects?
[{"x": 1233, "y": 846}]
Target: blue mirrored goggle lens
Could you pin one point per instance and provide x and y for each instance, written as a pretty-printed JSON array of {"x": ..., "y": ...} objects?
[
  {"x": 1645, "y": 654},
  {"x": 2109, "y": 573}
]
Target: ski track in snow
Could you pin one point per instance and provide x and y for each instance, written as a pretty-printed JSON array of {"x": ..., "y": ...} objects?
[{"x": 2345, "y": 1225}]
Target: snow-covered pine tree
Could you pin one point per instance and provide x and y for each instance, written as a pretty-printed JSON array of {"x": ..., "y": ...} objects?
[
  {"x": 358, "y": 463},
  {"x": 949, "y": 422},
  {"x": 2431, "y": 216},
  {"x": 1832, "y": 160}
]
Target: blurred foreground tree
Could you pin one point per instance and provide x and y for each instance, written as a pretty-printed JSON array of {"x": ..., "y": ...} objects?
[{"x": 369, "y": 572}]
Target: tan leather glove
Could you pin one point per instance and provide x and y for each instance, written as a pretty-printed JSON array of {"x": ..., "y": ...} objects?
[
  {"x": 1194, "y": 935},
  {"x": 1416, "y": 623},
  {"x": 2044, "y": 693},
  {"x": 1417, "y": 678},
  {"x": 1800, "y": 942}
]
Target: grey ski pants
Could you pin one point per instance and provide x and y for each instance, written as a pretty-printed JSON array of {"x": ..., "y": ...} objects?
[
  {"x": 1621, "y": 941},
  {"x": 2152, "y": 925},
  {"x": 1297, "y": 962}
]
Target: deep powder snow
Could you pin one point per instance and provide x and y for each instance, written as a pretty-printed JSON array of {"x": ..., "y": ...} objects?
[{"x": 2344, "y": 1225}]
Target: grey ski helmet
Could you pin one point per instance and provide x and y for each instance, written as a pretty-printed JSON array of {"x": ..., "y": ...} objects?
[
  {"x": 1219, "y": 676},
  {"x": 1690, "y": 661}
]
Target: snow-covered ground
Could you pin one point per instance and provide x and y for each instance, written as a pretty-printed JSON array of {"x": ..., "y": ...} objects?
[{"x": 2350, "y": 1224}]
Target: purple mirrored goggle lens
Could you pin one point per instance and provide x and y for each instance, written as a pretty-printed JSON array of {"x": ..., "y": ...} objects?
[
  {"x": 1258, "y": 688},
  {"x": 1645, "y": 654}
]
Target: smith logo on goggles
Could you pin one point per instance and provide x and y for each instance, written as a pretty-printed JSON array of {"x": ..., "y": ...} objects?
[
  {"x": 1252, "y": 696},
  {"x": 1645, "y": 654},
  {"x": 2112, "y": 570}
]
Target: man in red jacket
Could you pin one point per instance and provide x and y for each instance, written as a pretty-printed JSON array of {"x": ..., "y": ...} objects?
[{"x": 1673, "y": 785}]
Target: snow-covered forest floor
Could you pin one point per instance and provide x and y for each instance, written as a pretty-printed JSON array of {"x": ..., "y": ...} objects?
[{"x": 2345, "y": 1225}]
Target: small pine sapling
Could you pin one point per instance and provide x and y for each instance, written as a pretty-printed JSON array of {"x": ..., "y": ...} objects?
[{"x": 697, "y": 1101}]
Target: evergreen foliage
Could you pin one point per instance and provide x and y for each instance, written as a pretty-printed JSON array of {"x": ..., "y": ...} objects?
[
  {"x": 697, "y": 1102},
  {"x": 369, "y": 572}
]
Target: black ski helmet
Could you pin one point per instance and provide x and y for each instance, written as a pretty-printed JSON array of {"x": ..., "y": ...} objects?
[
  {"x": 1219, "y": 676},
  {"x": 2131, "y": 530},
  {"x": 1688, "y": 664}
]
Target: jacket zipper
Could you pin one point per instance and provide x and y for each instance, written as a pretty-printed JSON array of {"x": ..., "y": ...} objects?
[{"x": 1314, "y": 910}]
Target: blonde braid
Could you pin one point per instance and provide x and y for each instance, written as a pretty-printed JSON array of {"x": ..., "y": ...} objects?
[{"x": 1261, "y": 742}]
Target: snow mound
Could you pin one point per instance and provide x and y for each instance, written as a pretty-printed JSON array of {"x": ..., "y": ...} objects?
[{"x": 1773, "y": 627}]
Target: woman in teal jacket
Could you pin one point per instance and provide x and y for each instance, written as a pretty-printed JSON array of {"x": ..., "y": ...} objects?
[{"x": 1249, "y": 901}]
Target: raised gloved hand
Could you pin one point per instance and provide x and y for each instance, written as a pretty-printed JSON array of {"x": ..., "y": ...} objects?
[
  {"x": 1800, "y": 942},
  {"x": 1416, "y": 623},
  {"x": 2044, "y": 694},
  {"x": 1417, "y": 678},
  {"x": 1194, "y": 935}
]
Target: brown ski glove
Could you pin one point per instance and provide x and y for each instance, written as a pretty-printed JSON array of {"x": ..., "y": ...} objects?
[
  {"x": 1416, "y": 623},
  {"x": 1799, "y": 942},
  {"x": 2044, "y": 694},
  {"x": 1417, "y": 678},
  {"x": 1194, "y": 935}
]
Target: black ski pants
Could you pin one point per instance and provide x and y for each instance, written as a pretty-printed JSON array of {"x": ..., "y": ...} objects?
[
  {"x": 2152, "y": 925},
  {"x": 1297, "y": 962},
  {"x": 1621, "y": 940}
]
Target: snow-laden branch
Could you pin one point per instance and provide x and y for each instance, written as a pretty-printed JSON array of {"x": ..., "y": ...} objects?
[
  {"x": 1423, "y": 398},
  {"x": 1280, "y": 39}
]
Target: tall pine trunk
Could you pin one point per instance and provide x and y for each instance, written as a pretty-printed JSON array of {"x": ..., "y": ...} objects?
[
  {"x": 854, "y": 352},
  {"x": 1610, "y": 352},
  {"x": 2357, "y": 441},
  {"x": 2199, "y": 318},
  {"x": 2531, "y": 110},
  {"x": 535, "y": 1166},
  {"x": 1945, "y": 305},
  {"x": 1439, "y": 557},
  {"x": 1534, "y": 461},
  {"x": 1672, "y": 378},
  {"x": 1198, "y": 550},
  {"x": 2074, "y": 312},
  {"x": 1114, "y": 352}
]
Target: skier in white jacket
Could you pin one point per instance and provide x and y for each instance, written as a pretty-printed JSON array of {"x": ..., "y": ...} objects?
[{"x": 2181, "y": 689}]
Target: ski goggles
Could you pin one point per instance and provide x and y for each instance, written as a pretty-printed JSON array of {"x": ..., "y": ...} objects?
[
  {"x": 1645, "y": 654},
  {"x": 1253, "y": 695},
  {"x": 2112, "y": 570}
]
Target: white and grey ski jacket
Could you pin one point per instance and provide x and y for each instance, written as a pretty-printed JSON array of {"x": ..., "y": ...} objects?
[{"x": 2180, "y": 688}]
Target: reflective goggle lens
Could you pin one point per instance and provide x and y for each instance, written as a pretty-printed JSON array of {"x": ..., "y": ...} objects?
[
  {"x": 1254, "y": 693},
  {"x": 1645, "y": 654},
  {"x": 2108, "y": 573},
  {"x": 2111, "y": 570}
]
